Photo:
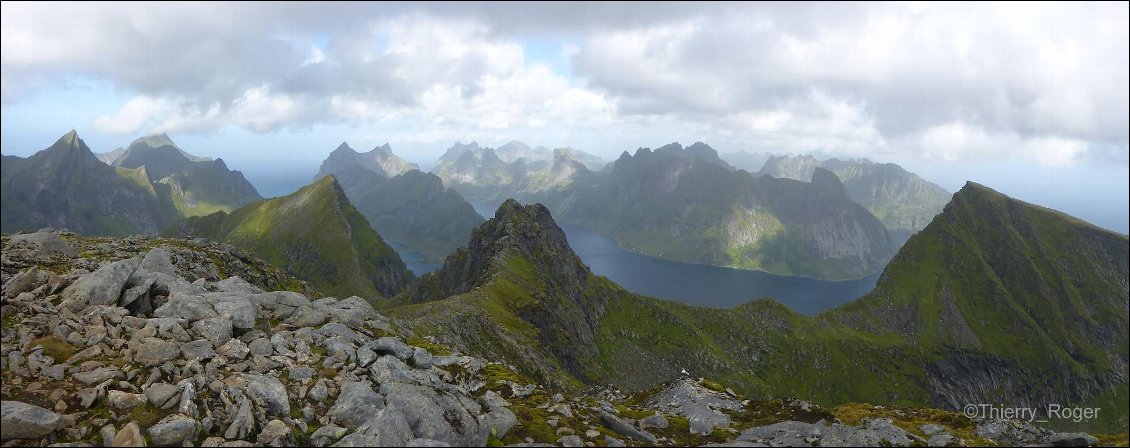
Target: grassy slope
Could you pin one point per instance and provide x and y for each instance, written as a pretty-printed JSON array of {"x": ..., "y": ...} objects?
[
  {"x": 316, "y": 234},
  {"x": 1042, "y": 294}
]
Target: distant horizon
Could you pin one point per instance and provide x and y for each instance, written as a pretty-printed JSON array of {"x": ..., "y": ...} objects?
[{"x": 1088, "y": 202}]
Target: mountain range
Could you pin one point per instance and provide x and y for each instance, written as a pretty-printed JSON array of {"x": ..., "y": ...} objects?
[
  {"x": 146, "y": 187},
  {"x": 902, "y": 200},
  {"x": 995, "y": 301},
  {"x": 688, "y": 204},
  {"x": 402, "y": 203}
]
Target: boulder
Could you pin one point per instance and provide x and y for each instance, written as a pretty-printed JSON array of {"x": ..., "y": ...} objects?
[
  {"x": 103, "y": 286},
  {"x": 175, "y": 429},
  {"x": 268, "y": 393},
  {"x": 19, "y": 420}
]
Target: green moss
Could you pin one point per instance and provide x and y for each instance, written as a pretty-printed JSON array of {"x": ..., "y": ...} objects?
[{"x": 56, "y": 348}]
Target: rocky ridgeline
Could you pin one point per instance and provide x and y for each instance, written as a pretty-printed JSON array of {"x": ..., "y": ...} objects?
[{"x": 137, "y": 342}]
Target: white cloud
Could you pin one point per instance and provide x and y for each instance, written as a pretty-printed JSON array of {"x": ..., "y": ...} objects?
[{"x": 949, "y": 82}]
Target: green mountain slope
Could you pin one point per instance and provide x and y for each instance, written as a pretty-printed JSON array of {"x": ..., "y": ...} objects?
[
  {"x": 66, "y": 186},
  {"x": 411, "y": 207},
  {"x": 900, "y": 199},
  {"x": 197, "y": 186},
  {"x": 1030, "y": 313},
  {"x": 314, "y": 233}
]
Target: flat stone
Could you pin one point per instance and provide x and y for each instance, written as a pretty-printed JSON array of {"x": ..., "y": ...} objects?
[
  {"x": 356, "y": 403},
  {"x": 175, "y": 429},
  {"x": 198, "y": 350},
  {"x": 19, "y": 420},
  {"x": 393, "y": 346},
  {"x": 129, "y": 435},
  {"x": 623, "y": 428},
  {"x": 152, "y": 351},
  {"x": 125, "y": 401},
  {"x": 97, "y": 375},
  {"x": 217, "y": 330}
]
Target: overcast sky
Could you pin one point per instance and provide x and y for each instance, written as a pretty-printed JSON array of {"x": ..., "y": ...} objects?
[{"x": 1031, "y": 99}]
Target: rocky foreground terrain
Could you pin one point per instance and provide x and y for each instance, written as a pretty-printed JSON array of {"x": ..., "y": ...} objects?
[{"x": 136, "y": 342}]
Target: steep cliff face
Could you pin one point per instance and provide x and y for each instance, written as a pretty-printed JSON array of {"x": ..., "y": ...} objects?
[
  {"x": 518, "y": 292},
  {"x": 902, "y": 200},
  {"x": 409, "y": 207},
  {"x": 688, "y": 205},
  {"x": 314, "y": 233},
  {"x": 66, "y": 186}
]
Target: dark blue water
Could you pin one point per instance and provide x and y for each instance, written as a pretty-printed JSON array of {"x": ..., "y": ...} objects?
[
  {"x": 694, "y": 284},
  {"x": 415, "y": 261}
]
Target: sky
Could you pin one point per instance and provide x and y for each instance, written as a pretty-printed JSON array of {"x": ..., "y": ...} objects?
[{"x": 1027, "y": 98}]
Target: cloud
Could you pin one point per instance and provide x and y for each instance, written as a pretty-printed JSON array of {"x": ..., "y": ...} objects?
[{"x": 1047, "y": 82}]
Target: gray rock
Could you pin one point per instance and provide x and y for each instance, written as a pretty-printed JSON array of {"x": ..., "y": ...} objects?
[
  {"x": 237, "y": 285},
  {"x": 571, "y": 441},
  {"x": 435, "y": 414},
  {"x": 931, "y": 429},
  {"x": 107, "y": 434},
  {"x": 185, "y": 306},
  {"x": 425, "y": 442},
  {"x": 104, "y": 286},
  {"x": 268, "y": 393},
  {"x": 393, "y": 346},
  {"x": 356, "y": 403},
  {"x": 612, "y": 441},
  {"x": 387, "y": 427},
  {"x": 199, "y": 350},
  {"x": 307, "y": 316},
  {"x": 943, "y": 439},
  {"x": 500, "y": 421},
  {"x": 1072, "y": 439},
  {"x": 124, "y": 401},
  {"x": 22, "y": 282},
  {"x": 300, "y": 373},
  {"x": 365, "y": 356},
  {"x": 243, "y": 423},
  {"x": 162, "y": 395},
  {"x": 175, "y": 429},
  {"x": 654, "y": 421},
  {"x": 625, "y": 429},
  {"x": 318, "y": 392},
  {"x": 421, "y": 359},
  {"x": 157, "y": 260},
  {"x": 872, "y": 432},
  {"x": 281, "y": 303},
  {"x": 19, "y": 420},
  {"x": 152, "y": 351},
  {"x": 787, "y": 433},
  {"x": 327, "y": 434},
  {"x": 46, "y": 244},
  {"x": 353, "y": 312},
  {"x": 700, "y": 405},
  {"x": 492, "y": 400},
  {"x": 129, "y": 435},
  {"x": 97, "y": 375},
  {"x": 234, "y": 349},
  {"x": 275, "y": 433},
  {"x": 261, "y": 347},
  {"x": 238, "y": 309},
  {"x": 217, "y": 330}
]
